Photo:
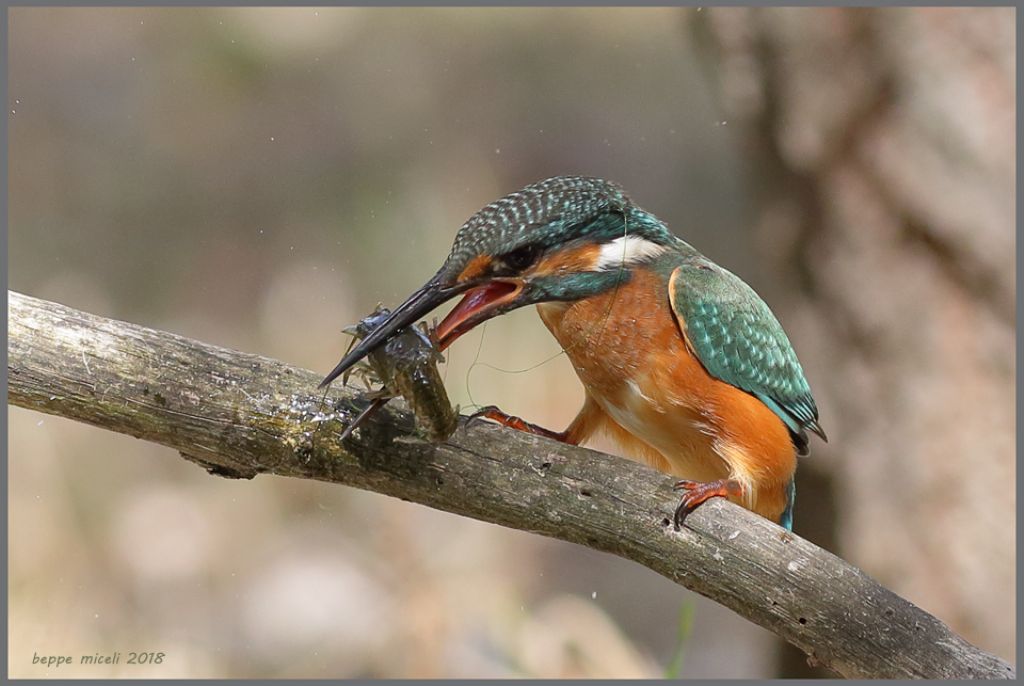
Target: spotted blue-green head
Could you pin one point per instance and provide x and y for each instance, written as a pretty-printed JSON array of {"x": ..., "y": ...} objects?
[{"x": 564, "y": 238}]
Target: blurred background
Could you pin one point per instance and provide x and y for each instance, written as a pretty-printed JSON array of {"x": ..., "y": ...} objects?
[{"x": 260, "y": 178}]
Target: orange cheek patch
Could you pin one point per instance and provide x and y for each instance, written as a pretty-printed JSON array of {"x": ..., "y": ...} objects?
[
  {"x": 477, "y": 266},
  {"x": 576, "y": 260}
]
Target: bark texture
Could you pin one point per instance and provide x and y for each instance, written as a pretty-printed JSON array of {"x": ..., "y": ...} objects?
[{"x": 239, "y": 415}]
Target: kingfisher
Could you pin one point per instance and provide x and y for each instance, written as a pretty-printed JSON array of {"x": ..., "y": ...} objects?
[{"x": 683, "y": 365}]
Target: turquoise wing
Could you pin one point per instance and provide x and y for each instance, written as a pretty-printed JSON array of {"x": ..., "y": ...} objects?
[{"x": 739, "y": 341}]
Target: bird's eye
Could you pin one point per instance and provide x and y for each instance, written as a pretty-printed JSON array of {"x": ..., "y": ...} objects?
[{"x": 521, "y": 258}]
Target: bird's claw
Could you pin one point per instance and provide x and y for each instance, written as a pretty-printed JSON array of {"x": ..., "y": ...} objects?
[
  {"x": 485, "y": 412},
  {"x": 697, "y": 492},
  {"x": 509, "y": 421}
]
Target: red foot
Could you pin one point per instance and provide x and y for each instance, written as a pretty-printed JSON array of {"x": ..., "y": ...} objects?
[
  {"x": 696, "y": 492},
  {"x": 494, "y": 414}
]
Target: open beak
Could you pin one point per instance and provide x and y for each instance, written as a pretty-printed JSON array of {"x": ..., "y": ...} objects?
[{"x": 480, "y": 303}]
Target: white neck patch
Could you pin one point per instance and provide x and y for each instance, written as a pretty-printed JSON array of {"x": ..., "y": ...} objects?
[{"x": 627, "y": 250}]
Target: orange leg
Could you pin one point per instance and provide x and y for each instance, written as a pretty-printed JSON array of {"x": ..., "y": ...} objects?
[
  {"x": 494, "y": 414},
  {"x": 586, "y": 422},
  {"x": 696, "y": 492}
]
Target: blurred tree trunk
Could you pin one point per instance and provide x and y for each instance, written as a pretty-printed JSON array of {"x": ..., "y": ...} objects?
[{"x": 882, "y": 145}]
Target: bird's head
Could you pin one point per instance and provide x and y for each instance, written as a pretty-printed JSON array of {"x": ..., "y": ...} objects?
[{"x": 562, "y": 239}]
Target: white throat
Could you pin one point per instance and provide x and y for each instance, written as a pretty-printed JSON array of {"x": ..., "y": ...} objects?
[{"x": 626, "y": 251}]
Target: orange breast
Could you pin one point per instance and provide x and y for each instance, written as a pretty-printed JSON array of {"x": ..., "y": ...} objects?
[{"x": 662, "y": 405}]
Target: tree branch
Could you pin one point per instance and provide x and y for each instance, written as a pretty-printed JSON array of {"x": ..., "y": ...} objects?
[{"x": 240, "y": 415}]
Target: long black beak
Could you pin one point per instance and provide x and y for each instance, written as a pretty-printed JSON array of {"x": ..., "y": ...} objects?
[{"x": 431, "y": 296}]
